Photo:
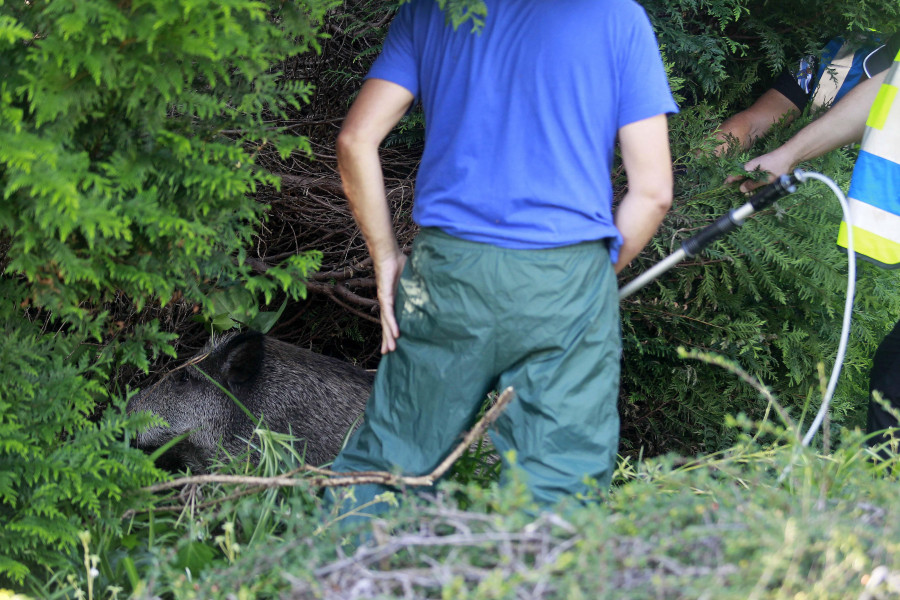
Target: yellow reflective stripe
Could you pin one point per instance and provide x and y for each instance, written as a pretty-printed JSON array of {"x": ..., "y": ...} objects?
[
  {"x": 877, "y": 220},
  {"x": 882, "y": 106},
  {"x": 872, "y": 246},
  {"x": 897, "y": 58},
  {"x": 885, "y": 142}
]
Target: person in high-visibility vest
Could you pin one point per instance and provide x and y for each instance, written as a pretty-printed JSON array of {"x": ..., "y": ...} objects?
[
  {"x": 869, "y": 113},
  {"x": 875, "y": 211}
]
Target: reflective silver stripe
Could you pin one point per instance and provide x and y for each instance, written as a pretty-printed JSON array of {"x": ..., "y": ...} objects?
[{"x": 878, "y": 221}]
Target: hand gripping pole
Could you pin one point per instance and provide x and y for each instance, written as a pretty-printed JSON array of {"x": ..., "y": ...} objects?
[{"x": 765, "y": 197}]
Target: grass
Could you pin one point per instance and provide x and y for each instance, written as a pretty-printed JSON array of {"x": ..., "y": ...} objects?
[
  {"x": 764, "y": 519},
  {"x": 756, "y": 521}
]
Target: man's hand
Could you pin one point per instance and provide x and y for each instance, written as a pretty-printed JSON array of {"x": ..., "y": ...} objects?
[
  {"x": 387, "y": 276},
  {"x": 844, "y": 123},
  {"x": 774, "y": 163},
  {"x": 379, "y": 107}
]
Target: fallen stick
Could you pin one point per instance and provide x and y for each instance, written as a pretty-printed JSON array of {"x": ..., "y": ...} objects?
[{"x": 334, "y": 479}]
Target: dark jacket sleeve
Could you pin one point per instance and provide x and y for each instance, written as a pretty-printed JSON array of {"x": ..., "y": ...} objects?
[{"x": 787, "y": 85}]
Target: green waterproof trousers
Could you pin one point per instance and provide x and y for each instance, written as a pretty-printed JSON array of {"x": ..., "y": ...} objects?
[{"x": 474, "y": 317}]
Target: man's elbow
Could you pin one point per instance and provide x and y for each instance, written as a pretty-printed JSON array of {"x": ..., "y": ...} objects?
[
  {"x": 353, "y": 141},
  {"x": 659, "y": 205},
  {"x": 658, "y": 198},
  {"x": 664, "y": 202},
  {"x": 347, "y": 144}
]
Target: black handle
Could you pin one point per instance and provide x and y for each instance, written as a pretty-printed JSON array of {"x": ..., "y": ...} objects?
[
  {"x": 781, "y": 187},
  {"x": 766, "y": 196},
  {"x": 724, "y": 224}
]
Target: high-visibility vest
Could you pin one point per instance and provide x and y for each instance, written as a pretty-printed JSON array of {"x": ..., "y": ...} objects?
[{"x": 875, "y": 188}]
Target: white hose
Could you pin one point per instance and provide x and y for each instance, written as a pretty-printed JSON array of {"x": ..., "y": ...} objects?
[{"x": 848, "y": 306}]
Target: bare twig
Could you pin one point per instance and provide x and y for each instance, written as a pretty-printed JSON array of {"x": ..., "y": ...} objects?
[{"x": 334, "y": 479}]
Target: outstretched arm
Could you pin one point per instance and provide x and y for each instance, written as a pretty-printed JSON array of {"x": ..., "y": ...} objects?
[
  {"x": 379, "y": 107},
  {"x": 843, "y": 124},
  {"x": 648, "y": 166},
  {"x": 744, "y": 128}
]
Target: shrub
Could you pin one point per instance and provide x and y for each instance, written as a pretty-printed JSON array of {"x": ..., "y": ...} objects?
[
  {"x": 133, "y": 136},
  {"x": 770, "y": 520},
  {"x": 128, "y": 138},
  {"x": 771, "y": 295}
]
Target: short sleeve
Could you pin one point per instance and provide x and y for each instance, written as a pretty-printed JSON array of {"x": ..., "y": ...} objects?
[
  {"x": 788, "y": 85},
  {"x": 883, "y": 57},
  {"x": 644, "y": 87},
  {"x": 398, "y": 61}
]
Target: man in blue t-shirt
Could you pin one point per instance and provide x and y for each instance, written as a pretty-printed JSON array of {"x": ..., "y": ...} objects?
[{"x": 511, "y": 281}]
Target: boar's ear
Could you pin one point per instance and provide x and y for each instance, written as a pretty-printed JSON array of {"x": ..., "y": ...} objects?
[{"x": 242, "y": 358}]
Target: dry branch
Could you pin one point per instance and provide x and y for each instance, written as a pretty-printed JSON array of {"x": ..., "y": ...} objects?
[{"x": 334, "y": 479}]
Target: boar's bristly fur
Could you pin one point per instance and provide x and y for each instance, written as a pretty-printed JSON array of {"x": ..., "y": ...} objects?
[{"x": 314, "y": 397}]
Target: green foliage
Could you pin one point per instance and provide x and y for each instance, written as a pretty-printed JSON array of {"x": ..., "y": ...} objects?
[
  {"x": 234, "y": 306},
  {"x": 764, "y": 520},
  {"x": 770, "y": 296},
  {"x": 49, "y": 387},
  {"x": 128, "y": 138},
  {"x": 728, "y": 50},
  {"x": 123, "y": 178}
]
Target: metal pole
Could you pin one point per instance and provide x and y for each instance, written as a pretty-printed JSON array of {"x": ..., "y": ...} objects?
[{"x": 766, "y": 196}]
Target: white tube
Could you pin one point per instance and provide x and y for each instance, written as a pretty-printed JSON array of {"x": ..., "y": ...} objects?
[{"x": 848, "y": 305}]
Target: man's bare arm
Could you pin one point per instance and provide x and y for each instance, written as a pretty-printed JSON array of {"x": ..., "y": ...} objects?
[
  {"x": 747, "y": 126},
  {"x": 844, "y": 123},
  {"x": 379, "y": 106},
  {"x": 648, "y": 166}
]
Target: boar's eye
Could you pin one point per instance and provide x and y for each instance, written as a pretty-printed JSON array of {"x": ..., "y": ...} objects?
[{"x": 181, "y": 376}]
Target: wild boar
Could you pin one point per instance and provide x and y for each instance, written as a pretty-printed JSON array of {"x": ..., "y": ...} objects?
[{"x": 316, "y": 398}]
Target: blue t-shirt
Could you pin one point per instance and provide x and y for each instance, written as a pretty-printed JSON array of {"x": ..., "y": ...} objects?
[{"x": 521, "y": 118}]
